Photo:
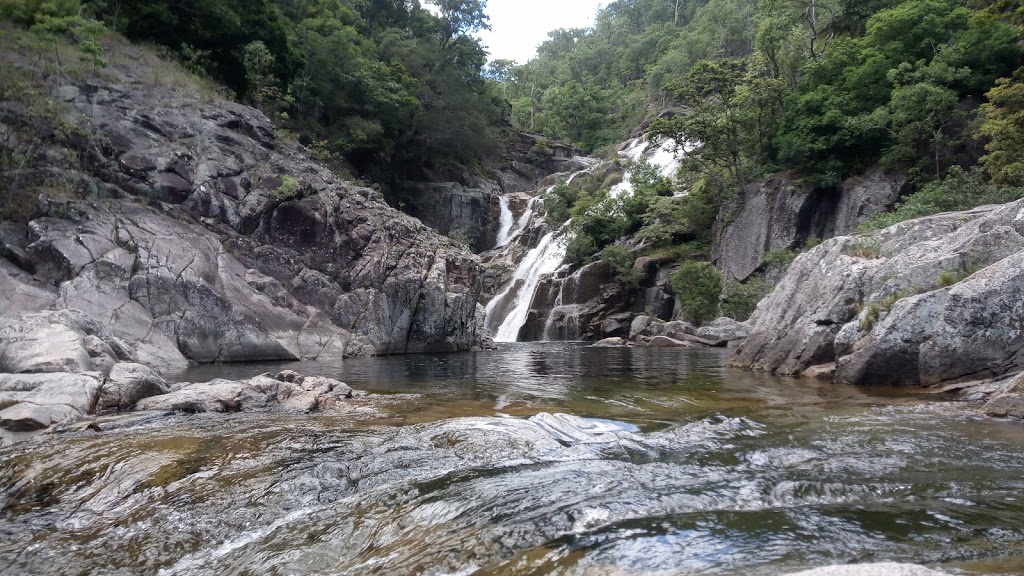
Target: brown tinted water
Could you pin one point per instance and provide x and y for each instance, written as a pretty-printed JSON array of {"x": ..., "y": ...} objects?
[{"x": 663, "y": 463}]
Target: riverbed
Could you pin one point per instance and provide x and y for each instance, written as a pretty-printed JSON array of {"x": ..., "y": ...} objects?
[{"x": 534, "y": 459}]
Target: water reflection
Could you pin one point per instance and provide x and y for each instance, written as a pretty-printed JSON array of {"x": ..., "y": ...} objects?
[{"x": 667, "y": 463}]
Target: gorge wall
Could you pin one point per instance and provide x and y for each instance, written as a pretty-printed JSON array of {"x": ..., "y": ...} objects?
[{"x": 175, "y": 226}]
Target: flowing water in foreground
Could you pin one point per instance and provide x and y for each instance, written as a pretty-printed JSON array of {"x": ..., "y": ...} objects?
[{"x": 537, "y": 459}]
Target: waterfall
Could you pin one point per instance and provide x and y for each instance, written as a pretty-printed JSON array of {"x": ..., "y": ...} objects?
[
  {"x": 663, "y": 157},
  {"x": 509, "y": 229},
  {"x": 518, "y": 295},
  {"x": 505, "y": 223}
]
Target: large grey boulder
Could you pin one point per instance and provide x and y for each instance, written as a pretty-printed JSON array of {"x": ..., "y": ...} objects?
[
  {"x": 128, "y": 383},
  {"x": 1008, "y": 400},
  {"x": 286, "y": 391},
  {"x": 782, "y": 212},
  {"x": 41, "y": 343},
  {"x": 33, "y": 402},
  {"x": 923, "y": 302},
  {"x": 724, "y": 329}
]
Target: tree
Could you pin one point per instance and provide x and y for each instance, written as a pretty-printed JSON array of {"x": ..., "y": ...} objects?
[
  {"x": 1003, "y": 127},
  {"x": 918, "y": 118},
  {"x": 460, "y": 19},
  {"x": 698, "y": 286},
  {"x": 713, "y": 127}
]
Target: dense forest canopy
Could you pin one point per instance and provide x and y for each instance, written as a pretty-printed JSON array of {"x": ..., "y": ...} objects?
[
  {"x": 819, "y": 89},
  {"x": 825, "y": 86},
  {"x": 377, "y": 82}
]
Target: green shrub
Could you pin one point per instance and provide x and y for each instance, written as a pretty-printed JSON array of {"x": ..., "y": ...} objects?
[
  {"x": 621, "y": 263},
  {"x": 959, "y": 190},
  {"x": 779, "y": 259},
  {"x": 698, "y": 286},
  {"x": 288, "y": 189},
  {"x": 949, "y": 277},
  {"x": 875, "y": 309},
  {"x": 740, "y": 300},
  {"x": 580, "y": 249}
]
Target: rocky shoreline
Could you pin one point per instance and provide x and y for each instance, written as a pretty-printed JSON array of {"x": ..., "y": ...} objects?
[
  {"x": 932, "y": 303},
  {"x": 33, "y": 403}
]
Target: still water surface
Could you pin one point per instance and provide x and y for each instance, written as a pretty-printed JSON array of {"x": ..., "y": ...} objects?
[{"x": 536, "y": 459}]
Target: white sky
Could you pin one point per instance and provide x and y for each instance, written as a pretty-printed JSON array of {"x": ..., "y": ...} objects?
[{"x": 519, "y": 26}]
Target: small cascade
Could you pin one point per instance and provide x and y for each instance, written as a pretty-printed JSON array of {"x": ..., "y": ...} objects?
[
  {"x": 568, "y": 314},
  {"x": 513, "y": 304},
  {"x": 505, "y": 223}
]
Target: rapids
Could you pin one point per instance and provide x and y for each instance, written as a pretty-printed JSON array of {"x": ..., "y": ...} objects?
[{"x": 536, "y": 459}]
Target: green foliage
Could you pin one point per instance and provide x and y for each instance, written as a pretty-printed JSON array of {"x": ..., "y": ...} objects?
[
  {"x": 597, "y": 221},
  {"x": 1003, "y": 126},
  {"x": 580, "y": 249},
  {"x": 697, "y": 286},
  {"x": 288, "y": 189},
  {"x": 948, "y": 278},
  {"x": 460, "y": 238},
  {"x": 779, "y": 259},
  {"x": 960, "y": 190},
  {"x": 740, "y": 300},
  {"x": 558, "y": 203},
  {"x": 621, "y": 263}
]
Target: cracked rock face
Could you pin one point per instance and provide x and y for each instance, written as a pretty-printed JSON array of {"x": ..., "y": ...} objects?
[
  {"x": 923, "y": 302},
  {"x": 212, "y": 239}
]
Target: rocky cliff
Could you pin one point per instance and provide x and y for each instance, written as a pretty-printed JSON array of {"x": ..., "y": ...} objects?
[
  {"x": 924, "y": 302},
  {"x": 172, "y": 226},
  {"x": 465, "y": 204},
  {"x": 781, "y": 213}
]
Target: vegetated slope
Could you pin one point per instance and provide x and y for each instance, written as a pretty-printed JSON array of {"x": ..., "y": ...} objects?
[
  {"x": 917, "y": 96},
  {"x": 186, "y": 226}
]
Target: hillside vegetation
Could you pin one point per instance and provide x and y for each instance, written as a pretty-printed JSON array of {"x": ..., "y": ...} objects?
[
  {"x": 367, "y": 84},
  {"x": 821, "y": 89},
  {"x": 389, "y": 90}
]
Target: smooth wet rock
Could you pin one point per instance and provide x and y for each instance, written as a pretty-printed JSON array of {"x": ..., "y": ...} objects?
[
  {"x": 287, "y": 391},
  {"x": 820, "y": 372},
  {"x": 639, "y": 324},
  {"x": 1008, "y": 401},
  {"x": 666, "y": 342},
  {"x": 724, "y": 329}
]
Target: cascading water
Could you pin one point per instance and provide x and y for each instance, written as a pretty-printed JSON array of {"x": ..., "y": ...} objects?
[
  {"x": 544, "y": 259},
  {"x": 505, "y": 231},
  {"x": 507, "y": 312}
]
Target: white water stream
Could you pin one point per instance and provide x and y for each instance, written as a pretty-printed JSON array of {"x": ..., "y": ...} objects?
[
  {"x": 517, "y": 296},
  {"x": 538, "y": 262}
]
